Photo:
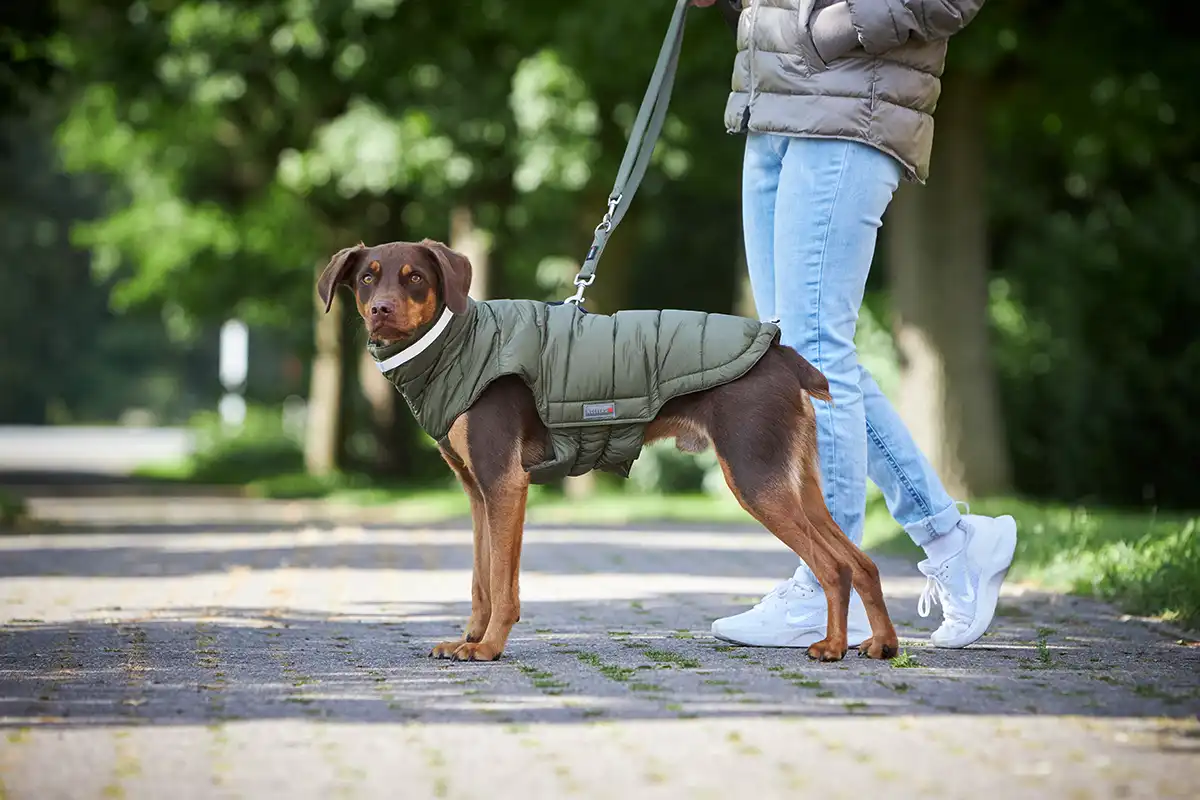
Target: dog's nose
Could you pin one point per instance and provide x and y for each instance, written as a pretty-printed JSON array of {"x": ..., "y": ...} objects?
[{"x": 382, "y": 308}]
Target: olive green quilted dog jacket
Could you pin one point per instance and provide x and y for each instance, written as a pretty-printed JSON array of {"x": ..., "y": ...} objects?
[{"x": 597, "y": 379}]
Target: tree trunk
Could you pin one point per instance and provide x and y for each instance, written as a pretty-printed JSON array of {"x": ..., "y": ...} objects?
[
  {"x": 937, "y": 255},
  {"x": 381, "y": 399},
  {"x": 474, "y": 243},
  {"x": 323, "y": 435}
]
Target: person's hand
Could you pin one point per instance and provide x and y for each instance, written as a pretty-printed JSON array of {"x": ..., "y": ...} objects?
[{"x": 703, "y": 3}]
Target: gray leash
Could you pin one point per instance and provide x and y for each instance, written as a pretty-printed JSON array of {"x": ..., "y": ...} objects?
[{"x": 645, "y": 132}]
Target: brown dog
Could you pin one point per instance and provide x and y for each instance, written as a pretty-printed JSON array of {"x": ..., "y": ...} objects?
[{"x": 400, "y": 288}]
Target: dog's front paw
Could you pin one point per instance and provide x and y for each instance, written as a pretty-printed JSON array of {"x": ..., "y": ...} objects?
[
  {"x": 876, "y": 647},
  {"x": 477, "y": 651},
  {"x": 446, "y": 649},
  {"x": 828, "y": 650}
]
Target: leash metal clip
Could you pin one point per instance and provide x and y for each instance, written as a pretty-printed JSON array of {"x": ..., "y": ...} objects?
[
  {"x": 580, "y": 285},
  {"x": 606, "y": 225}
]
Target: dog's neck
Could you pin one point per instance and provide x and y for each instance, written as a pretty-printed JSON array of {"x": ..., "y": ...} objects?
[{"x": 421, "y": 340}]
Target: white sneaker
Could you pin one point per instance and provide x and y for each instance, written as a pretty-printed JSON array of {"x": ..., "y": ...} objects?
[
  {"x": 967, "y": 585},
  {"x": 791, "y": 615}
]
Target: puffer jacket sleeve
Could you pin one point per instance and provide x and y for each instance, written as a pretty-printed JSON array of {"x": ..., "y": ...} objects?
[{"x": 884, "y": 25}]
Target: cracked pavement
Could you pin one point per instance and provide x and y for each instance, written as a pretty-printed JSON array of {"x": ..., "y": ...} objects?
[{"x": 171, "y": 647}]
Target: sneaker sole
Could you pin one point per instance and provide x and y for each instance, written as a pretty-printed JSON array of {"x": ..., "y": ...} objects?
[
  {"x": 989, "y": 589},
  {"x": 803, "y": 640}
]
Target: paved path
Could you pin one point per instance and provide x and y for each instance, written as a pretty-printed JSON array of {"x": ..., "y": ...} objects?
[{"x": 290, "y": 661}]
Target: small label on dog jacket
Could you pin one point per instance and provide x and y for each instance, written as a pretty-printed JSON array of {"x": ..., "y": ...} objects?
[{"x": 599, "y": 411}]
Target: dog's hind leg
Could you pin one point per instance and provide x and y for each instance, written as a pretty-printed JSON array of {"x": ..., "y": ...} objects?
[
  {"x": 865, "y": 575},
  {"x": 770, "y": 491}
]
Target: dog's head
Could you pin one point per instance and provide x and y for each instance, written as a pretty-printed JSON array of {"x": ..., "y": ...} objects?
[{"x": 398, "y": 287}]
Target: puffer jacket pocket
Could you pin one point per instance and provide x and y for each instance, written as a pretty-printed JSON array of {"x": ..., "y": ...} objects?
[{"x": 806, "y": 47}]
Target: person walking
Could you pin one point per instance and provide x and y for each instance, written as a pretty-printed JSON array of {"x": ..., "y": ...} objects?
[{"x": 836, "y": 98}]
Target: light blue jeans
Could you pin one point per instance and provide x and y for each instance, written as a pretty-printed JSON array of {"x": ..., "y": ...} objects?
[{"x": 811, "y": 213}]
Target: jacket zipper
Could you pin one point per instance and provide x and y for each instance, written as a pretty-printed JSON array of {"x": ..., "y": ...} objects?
[{"x": 754, "y": 6}]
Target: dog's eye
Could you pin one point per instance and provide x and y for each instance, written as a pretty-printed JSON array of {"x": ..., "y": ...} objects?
[
  {"x": 415, "y": 279},
  {"x": 368, "y": 278}
]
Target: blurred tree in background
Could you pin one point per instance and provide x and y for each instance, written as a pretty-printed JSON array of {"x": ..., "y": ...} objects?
[
  {"x": 212, "y": 154},
  {"x": 1095, "y": 227}
]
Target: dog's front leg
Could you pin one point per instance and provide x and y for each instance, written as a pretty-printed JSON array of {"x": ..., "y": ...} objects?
[
  {"x": 481, "y": 578},
  {"x": 505, "y": 523},
  {"x": 481, "y": 604}
]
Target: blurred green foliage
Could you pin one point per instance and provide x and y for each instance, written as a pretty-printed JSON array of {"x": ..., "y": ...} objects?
[
  {"x": 219, "y": 151},
  {"x": 262, "y": 445},
  {"x": 1095, "y": 221},
  {"x": 71, "y": 358},
  {"x": 1146, "y": 562},
  {"x": 13, "y": 510},
  {"x": 264, "y": 455}
]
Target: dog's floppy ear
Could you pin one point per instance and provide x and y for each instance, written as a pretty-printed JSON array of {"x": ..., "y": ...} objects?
[
  {"x": 336, "y": 271},
  {"x": 455, "y": 271}
]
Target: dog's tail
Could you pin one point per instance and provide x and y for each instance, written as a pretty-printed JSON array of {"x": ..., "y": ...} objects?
[{"x": 811, "y": 379}]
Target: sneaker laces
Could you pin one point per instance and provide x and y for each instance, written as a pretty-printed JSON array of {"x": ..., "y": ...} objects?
[
  {"x": 937, "y": 585},
  {"x": 929, "y": 597},
  {"x": 937, "y": 592},
  {"x": 784, "y": 588}
]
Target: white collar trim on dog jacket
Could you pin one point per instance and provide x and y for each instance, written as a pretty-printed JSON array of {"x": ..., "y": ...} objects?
[{"x": 419, "y": 346}]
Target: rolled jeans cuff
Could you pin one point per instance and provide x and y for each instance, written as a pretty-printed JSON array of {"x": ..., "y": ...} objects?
[{"x": 935, "y": 525}]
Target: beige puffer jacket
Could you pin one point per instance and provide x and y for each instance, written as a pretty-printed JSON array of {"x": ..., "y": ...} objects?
[{"x": 864, "y": 70}]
